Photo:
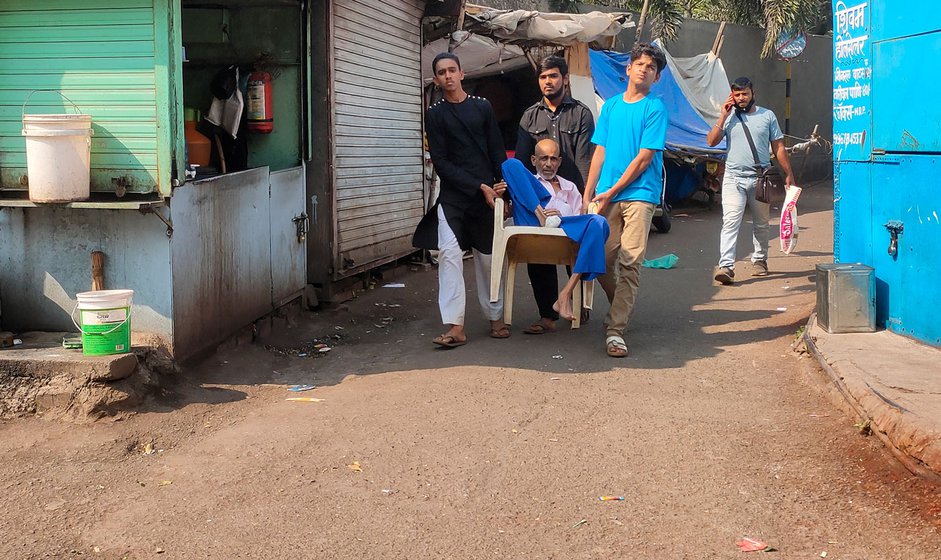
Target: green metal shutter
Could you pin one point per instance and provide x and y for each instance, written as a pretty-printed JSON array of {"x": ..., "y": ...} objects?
[{"x": 112, "y": 58}]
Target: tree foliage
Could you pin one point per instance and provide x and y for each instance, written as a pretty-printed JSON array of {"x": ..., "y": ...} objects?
[{"x": 774, "y": 16}]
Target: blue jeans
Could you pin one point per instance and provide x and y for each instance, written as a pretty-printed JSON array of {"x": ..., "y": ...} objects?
[{"x": 737, "y": 193}]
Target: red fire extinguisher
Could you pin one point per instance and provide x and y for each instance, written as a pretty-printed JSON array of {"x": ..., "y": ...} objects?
[{"x": 260, "y": 112}]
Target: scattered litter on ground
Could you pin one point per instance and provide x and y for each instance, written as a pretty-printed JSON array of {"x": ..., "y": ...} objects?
[
  {"x": 312, "y": 348},
  {"x": 557, "y": 357},
  {"x": 394, "y": 285},
  {"x": 300, "y": 388},
  {"x": 304, "y": 399},
  {"x": 554, "y": 378},
  {"x": 165, "y": 483},
  {"x": 72, "y": 342},
  {"x": 579, "y": 523},
  {"x": 355, "y": 466},
  {"x": 782, "y": 309},
  {"x": 150, "y": 448},
  {"x": 611, "y": 498},
  {"x": 814, "y": 415},
  {"x": 666, "y": 261},
  {"x": 160, "y": 551},
  {"x": 753, "y": 545},
  {"x": 338, "y": 328},
  {"x": 17, "y": 341},
  {"x": 823, "y": 554},
  {"x": 554, "y": 440},
  {"x": 389, "y": 491}
]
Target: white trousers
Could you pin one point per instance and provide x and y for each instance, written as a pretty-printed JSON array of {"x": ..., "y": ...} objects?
[{"x": 452, "y": 295}]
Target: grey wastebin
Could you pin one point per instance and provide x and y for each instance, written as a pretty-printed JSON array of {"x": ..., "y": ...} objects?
[{"x": 846, "y": 297}]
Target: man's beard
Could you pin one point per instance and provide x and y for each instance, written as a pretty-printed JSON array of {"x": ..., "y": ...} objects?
[
  {"x": 557, "y": 96},
  {"x": 547, "y": 175}
]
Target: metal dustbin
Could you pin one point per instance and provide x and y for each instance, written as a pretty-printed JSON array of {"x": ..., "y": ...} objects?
[{"x": 846, "y": 298}]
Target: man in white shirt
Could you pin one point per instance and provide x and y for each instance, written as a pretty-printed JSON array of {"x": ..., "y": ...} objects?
[{"x": 566, "y": 201}]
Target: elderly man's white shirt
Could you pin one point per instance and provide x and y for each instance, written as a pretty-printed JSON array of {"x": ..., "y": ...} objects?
[{"x": 568, "y": 201}]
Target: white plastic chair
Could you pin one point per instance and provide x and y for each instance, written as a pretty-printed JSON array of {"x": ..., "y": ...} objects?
[{"x": 515, "y": 245}]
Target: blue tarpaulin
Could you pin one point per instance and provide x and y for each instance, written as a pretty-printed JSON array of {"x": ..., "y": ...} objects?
[{"x": 686, "y": 131}]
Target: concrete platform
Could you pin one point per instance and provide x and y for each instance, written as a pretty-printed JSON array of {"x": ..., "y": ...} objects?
[
  {"x": 40, "y": 376},
  {"x": 894, "y": 384}
]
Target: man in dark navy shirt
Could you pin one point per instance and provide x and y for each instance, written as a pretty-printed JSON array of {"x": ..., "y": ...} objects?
[
  {"x": 466, "y": 150},
  {"x": 570, "y": 123}
]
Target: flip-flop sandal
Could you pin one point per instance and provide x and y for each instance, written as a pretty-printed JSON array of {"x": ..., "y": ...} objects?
[
  {"x": 502, "y": 332},
  {"x": 537, "y": 328},
  {"x": 448, "y": 341},
  {"x": 616, "y": 347}
]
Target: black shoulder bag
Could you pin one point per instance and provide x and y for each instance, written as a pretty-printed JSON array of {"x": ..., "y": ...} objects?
[{"x": 769, "y": 178}]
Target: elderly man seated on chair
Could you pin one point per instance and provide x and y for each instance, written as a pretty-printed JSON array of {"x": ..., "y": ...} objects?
[{"x": 547, "y": 200}]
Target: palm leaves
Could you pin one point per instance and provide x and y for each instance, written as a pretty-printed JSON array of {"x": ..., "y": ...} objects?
[{"x": 774, "y": 16}]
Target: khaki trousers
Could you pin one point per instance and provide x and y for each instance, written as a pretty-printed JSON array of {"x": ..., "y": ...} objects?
[{"x": 624, "y": 253}]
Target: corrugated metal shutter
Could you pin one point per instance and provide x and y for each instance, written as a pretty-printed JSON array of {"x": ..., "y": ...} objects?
[
  {"x": 377, "y": 129},
  {"x": 102, "y": 55}
]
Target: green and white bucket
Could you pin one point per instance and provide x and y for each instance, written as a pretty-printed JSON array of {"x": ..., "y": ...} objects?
[{"x": 105, "y": 321}]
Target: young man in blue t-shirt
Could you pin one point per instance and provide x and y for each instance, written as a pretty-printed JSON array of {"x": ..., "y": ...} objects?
[{"x": 625, "y": 181}]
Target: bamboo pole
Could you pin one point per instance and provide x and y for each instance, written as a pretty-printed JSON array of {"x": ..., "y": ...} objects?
[{"x": 641, "y": 21}]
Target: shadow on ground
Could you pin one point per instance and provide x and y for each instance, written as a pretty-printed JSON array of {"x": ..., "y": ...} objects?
[{"x": 681, "y": 316}]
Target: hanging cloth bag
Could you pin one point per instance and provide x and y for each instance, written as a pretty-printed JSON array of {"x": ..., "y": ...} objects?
[{"x": 769, "y": 178}]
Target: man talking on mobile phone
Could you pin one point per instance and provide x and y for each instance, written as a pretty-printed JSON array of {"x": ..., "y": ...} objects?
[{"x": 753, "y": 133}]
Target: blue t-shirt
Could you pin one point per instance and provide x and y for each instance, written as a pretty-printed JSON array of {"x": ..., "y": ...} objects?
[
  {"x": 764, "y": 129},
  {"x": 624, "y": 129}
]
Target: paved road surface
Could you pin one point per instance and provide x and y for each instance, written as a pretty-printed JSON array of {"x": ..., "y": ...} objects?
[{"x": 713, "y": 430}]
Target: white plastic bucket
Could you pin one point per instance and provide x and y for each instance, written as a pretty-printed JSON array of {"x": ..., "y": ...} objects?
[
  {"x": 58, "y": 155},
  {"x": 105, "y": 321}
]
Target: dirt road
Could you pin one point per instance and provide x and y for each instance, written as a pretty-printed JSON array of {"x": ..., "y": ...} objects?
[{"x": 713, "y": 430}]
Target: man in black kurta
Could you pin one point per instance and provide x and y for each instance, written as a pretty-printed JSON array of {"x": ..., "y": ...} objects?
[{"x": 466, "y": 149}]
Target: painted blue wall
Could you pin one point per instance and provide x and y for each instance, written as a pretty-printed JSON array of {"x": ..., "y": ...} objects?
[
  {"x": 887, "y": 155},
  {"x": 45, "y": 259}
]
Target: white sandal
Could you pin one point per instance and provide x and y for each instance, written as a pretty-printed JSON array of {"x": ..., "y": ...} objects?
[{"x": 616, "y": 347}]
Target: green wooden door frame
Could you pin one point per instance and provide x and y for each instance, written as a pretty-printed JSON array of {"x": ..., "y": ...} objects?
[{"x": 168, "y": 73}]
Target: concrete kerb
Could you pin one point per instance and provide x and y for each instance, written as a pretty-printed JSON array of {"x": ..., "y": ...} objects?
[{"x": 916, "y": 445}]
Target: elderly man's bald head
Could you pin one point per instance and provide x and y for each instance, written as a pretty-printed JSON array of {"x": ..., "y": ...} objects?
[
  {"x": 547, "y": 146},
  {"x": 546, "y": 158}
]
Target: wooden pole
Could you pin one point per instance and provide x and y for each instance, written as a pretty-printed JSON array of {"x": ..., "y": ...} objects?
[
  {"x": 97, "y": 270},
  {"x": 640, "y": 22},
  {"x": 717, "y": 44}
]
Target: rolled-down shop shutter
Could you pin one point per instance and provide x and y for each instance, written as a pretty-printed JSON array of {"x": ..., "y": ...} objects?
[{"x": 377, "y": 130}]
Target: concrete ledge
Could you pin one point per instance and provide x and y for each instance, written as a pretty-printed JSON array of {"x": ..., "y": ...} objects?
[
  {"x": 42, "y": 377},
  {"x": 891, "y": 382}
]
